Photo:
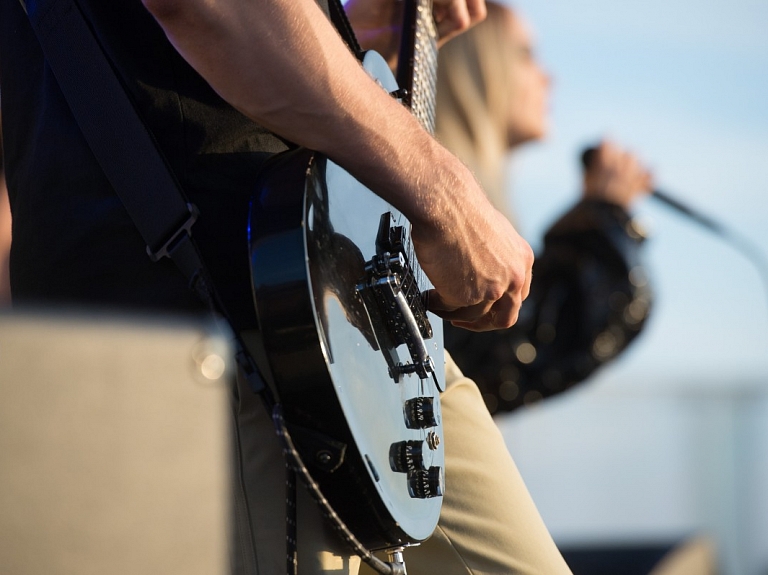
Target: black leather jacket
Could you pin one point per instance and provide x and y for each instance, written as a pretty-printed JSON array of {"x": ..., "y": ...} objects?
[{"x": 589, "y": 299}]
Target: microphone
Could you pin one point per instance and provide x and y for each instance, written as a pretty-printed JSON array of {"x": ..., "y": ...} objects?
[
  {"x": 748, "y": 249},
  {"x": 588, "y": 156}
]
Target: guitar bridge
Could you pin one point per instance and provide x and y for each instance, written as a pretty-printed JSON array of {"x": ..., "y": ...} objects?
[{"x": 393, "y": 298}]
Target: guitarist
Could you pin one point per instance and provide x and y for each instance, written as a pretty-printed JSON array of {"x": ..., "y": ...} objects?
[{"x": 222, "y": 84}]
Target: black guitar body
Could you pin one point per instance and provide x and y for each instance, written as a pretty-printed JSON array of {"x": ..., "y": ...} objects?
[{"x": 349, "y": 348}]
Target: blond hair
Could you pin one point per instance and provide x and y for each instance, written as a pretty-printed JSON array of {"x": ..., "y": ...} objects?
[{"x": 473, "y": 95}]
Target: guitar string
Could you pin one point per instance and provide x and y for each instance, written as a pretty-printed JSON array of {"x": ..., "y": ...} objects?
[
  {"x": 425, "y": 67},
  {"x": 423, "y": 98}
]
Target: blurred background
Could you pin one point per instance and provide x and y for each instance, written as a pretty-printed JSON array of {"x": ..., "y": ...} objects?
[{"x": 671, "y": 440}]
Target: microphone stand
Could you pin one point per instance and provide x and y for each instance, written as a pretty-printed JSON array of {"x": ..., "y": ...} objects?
[{"x": 746, "y": 247}]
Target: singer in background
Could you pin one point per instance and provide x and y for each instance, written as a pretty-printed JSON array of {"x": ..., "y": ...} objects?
[{"x": 589, "y": 295}]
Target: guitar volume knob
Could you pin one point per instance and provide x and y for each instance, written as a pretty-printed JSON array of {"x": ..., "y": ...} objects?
[
  {"x": 420, "y": 413},
  {"x": 425, "y": 483},
  {"x": 406, "y": 456}
]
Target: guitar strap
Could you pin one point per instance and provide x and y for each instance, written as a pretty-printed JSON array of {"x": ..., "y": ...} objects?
[
  {"x": 341, "y": 22},
  {"x": 152, "y": 195}
]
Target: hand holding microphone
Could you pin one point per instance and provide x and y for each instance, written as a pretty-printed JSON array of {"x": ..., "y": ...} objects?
[
  {"x": 597, "y": 160},
  {"x": 614, "y": 175},
  {"x": 594, "y": 161}
]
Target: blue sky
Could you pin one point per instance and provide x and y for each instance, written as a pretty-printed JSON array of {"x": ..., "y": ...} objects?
[
  {"x": 671, "y": 438},
  {"x": 684, "y": 85}
]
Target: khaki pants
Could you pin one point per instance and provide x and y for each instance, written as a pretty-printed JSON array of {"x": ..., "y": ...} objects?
[{"x": 488, "y": 524}]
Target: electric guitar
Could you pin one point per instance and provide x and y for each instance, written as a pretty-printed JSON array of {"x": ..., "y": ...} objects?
[{"x": 347, "y": 343}]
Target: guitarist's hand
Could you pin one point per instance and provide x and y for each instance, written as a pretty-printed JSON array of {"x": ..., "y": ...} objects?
[
  {"x": 377, "y": 23},
  {"x": 478, "y": 263},
  {"x": 456, "y": 16}
]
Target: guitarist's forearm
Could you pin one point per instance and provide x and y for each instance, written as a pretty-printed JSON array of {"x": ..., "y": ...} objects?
[{"x": 282, "y": 63}]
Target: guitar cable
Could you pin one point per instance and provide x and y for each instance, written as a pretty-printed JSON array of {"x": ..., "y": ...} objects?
[{"x": 295, "y": 466}]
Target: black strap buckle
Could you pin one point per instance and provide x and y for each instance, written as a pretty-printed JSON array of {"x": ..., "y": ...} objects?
[{"x": 183, "y": 232}]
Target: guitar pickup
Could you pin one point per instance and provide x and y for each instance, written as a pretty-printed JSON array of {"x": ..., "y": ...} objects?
[{"x": 393, "y": 299}]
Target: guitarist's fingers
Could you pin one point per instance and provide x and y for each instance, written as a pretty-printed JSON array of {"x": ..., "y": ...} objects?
[
  {"x": 435, "y": 303},
  {"x": 482, "y": 316},
  {"x": 438, "y": 305},
  {"x": 527, "y": 285},
  {"x": 503, "y": 314},
  {"x": 456, "y": 16}
]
